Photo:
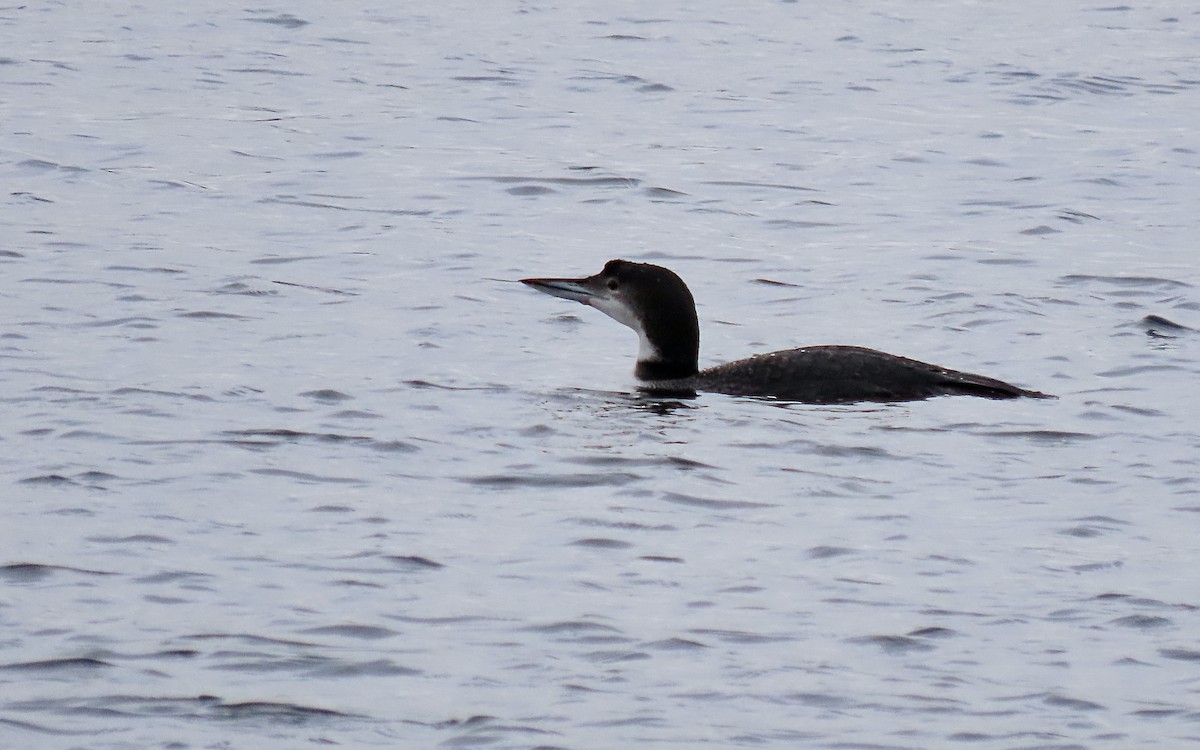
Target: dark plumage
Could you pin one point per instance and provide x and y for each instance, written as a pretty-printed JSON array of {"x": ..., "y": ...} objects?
[{"x": 655, "y": 303}]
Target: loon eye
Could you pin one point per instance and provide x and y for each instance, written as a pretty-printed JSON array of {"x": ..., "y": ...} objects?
[{"x": 612, "y": 285}]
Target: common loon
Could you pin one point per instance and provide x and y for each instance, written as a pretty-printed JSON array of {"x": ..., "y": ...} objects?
[{"x": 655, "y": 303}]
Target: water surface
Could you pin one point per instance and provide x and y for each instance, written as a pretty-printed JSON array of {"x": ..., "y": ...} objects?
[{"x": 288, "y": 459}]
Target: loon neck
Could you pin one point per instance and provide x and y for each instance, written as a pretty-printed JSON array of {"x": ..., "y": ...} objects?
[
  {"x": 658, "y": 369},
  {"x": 668, "y": 344}
]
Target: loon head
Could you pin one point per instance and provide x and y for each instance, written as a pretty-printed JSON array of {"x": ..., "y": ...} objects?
[{"x": 651, "y": 300}]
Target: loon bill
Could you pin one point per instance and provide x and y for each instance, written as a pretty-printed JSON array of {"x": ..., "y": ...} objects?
[{"x": 655, "y": 303}]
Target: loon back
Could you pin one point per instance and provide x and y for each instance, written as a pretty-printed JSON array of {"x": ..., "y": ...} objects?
[
  {"x": 658, "y": 306},
  {"x": 841, "y": 374}
]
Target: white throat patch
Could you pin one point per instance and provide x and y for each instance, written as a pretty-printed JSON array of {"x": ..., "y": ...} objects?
[{"x": 618, "y": 311}]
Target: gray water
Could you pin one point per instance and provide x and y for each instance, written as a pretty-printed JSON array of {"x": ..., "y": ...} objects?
[{"x": 287, "y": 460}]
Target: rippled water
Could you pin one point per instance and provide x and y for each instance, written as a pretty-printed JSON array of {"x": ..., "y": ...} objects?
[{"x": 287, "y": 460}]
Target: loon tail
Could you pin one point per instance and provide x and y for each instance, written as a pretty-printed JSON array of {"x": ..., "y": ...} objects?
[{"x": 969, "y": 384}]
